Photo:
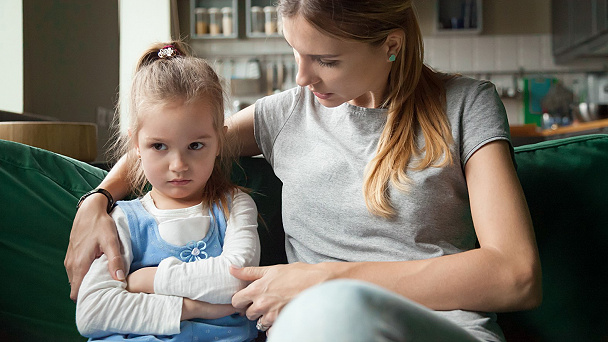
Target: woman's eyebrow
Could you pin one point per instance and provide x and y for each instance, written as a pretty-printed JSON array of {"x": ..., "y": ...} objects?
[{"x": 314, "y": 56}]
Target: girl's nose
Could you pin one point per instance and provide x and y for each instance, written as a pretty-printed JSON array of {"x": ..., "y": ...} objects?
[{"x": 178, "y": 163}]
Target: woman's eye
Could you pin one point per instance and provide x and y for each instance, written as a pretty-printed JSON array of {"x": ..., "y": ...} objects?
[
  {"x": 196, "y": 146},
  {"x": 159, "y": 146},
  {"x": 329, "y": 64}
]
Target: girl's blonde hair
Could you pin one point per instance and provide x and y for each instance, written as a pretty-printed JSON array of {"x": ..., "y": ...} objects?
[
  {"x": 183, "y": 78},
  {"x": 415, "y": 96}
]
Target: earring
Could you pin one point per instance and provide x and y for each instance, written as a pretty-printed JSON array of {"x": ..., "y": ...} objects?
[{"x": 392, "y": 58}]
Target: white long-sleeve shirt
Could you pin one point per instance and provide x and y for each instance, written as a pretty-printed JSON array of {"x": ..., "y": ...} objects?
[{"x": 104, "y": 305}]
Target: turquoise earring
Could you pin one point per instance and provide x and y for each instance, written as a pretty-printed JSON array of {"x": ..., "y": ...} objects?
[{"x": 392, "y": 58}]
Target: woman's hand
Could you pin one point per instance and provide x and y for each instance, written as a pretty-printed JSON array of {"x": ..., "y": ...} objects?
[
  {"x": 142, "y": 280},
  {"x": 93, "y": 234},
  {"x": 194, "y": 309},
  {"x": 273, "y": 287}
]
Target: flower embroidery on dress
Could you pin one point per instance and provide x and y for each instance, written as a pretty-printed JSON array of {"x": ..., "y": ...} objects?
[{"x": 194, "y": 251}]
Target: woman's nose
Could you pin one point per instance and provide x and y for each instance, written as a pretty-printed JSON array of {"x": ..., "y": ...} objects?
[{"x": 305, "y": 75}]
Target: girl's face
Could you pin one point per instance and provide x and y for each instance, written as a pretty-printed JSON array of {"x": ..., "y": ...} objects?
[
  {"x": 337, "y": 71},
  {"x": 178, "y": 146}
]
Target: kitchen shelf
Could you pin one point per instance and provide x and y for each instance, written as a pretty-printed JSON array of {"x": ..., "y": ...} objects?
[
  {"x": 250, "y": 32},
  {"x": 219, "y": 5}
]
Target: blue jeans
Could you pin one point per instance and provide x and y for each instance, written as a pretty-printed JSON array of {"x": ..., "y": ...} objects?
[{"x": 355, "y": 311}]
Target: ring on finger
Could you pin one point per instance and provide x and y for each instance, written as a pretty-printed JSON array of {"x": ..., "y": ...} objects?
[{"x": 260, "y": 326}]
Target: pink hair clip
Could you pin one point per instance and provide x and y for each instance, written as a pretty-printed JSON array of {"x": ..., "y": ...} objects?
[{"x": 168, "y": 51}]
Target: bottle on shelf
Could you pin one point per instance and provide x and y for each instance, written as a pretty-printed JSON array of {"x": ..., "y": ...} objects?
[
  {"x": 202, "y": 21},
  {"x": 270, "y": 23},
  {"x": 257, "y": 20},
  {"x": 227, "y": 22},
  {"x": 215, "y": 21}
]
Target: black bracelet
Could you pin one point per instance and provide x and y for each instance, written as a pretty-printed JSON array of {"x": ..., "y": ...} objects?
[{"x": 105, "y": 192}]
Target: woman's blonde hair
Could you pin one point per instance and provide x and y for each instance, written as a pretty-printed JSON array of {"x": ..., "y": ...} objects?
[
  {"x": 415, "y": 96},
  {"x": 183, "y": 78}
]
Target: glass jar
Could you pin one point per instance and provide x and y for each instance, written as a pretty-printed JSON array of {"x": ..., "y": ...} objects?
[
  {"x": 227, "y": 22},
  {"x": 215, "y": 21},
  {"x": 270, "y": 22},
  {"x": 202, "y": 21},
  {"x": 257, "y": 19}
]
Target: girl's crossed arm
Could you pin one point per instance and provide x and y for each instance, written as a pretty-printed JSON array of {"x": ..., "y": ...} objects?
[{"x": 208, "y": 280}]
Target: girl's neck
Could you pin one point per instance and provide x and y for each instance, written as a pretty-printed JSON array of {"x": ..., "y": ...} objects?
[{"x": 163, "y": 202}]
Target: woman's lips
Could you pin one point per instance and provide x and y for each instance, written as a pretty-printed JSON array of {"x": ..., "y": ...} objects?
[{"x": 322, "y": 96}]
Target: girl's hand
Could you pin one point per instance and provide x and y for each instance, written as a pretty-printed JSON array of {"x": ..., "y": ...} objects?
[
  {"x": 142, "y": 280},
  {"x": 194, "y": 309},
  {"x": 93, "y": 234},
  {"x": 273, "y": 287}
]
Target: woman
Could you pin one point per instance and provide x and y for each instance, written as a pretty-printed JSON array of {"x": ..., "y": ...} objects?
[{"x": 390, "y": 173}]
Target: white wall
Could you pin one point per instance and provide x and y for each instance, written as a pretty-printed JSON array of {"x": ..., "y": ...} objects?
[
  {"x": 11, "y": 58},
  {"x": 142, "y": 22}
]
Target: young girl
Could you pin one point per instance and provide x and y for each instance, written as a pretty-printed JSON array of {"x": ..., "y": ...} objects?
[{"x": 193, "y": 219}]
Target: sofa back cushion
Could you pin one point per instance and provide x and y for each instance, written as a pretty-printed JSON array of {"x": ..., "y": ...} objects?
[{"x": 566, "y": 186}]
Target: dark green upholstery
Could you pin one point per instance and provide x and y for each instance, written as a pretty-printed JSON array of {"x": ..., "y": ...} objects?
[
  {"x": 566, "y": 186},
  {"x": 565, "y": 183}
]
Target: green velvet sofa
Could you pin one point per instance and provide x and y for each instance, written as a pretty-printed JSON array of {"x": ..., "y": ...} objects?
[{"x": 565, "y": 182}]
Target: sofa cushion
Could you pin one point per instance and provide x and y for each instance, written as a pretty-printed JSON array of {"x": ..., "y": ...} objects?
[
  {"x": 38, "y": 197},
  {"x": 566, "y": 186}
]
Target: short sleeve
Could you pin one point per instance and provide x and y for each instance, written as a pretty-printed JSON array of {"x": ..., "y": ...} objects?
[
  {"x": 271, "y": 114},
  {"x": 483, "y": 118}
]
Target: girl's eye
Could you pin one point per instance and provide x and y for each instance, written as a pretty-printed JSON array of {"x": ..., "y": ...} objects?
[
  {"x": 329, "y": 64},
  {"x": 159, "y": 146},
  {"x": 196, "y": 146}
]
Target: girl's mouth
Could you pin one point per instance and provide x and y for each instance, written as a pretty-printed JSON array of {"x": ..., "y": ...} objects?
[{"x": 179, "y": 182}]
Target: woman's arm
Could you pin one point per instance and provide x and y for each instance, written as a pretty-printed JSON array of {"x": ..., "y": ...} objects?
[
  {"x": 104, "y": 306},
  {"x": 240, "y": 132},
  {"x": 208, "y": 280},
  {"x": 94, "y": 232},
  {"x": 502, "y": 275}
]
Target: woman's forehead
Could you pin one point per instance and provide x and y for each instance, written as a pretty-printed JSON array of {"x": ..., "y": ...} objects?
[{"x": 306, "y": 39}]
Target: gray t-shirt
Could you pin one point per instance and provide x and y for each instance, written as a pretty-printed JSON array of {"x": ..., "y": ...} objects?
[{"x": 320, "y": 155}]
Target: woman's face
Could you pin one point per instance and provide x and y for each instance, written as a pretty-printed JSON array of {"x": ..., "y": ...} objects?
[{"x": 337, "y": 71}]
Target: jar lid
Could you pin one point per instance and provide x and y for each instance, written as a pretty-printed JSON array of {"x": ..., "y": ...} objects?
[
  {"x": 256, "y": 9},
  {"x": 270, "y": 9},
  {"x": 213, "y": 10},
  {"x": 227, "y": 10},
  {"x": 200, "y": 10}
]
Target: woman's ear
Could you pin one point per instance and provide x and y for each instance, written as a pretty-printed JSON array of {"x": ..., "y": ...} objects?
[{"x": 393, "y": 43}]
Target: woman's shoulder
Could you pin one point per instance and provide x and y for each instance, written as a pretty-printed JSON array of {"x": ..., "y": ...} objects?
[
  {"x": 460, "y": 83},
  {"x": 285, "y": 96}
]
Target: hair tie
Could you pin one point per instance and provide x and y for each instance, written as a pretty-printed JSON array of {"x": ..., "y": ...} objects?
[{"x": 168, "y": 51}]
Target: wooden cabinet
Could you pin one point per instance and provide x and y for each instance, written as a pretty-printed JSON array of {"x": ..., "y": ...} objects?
[{"x": 579, "y": 29}]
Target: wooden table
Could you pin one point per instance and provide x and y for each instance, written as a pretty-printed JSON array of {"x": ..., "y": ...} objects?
[
  {"x": 530, "y": 133},
  {"x": 73, "y": 139}
]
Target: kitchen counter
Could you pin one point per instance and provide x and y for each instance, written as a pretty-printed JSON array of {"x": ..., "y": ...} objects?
[{"x": 530, "y": 133}]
